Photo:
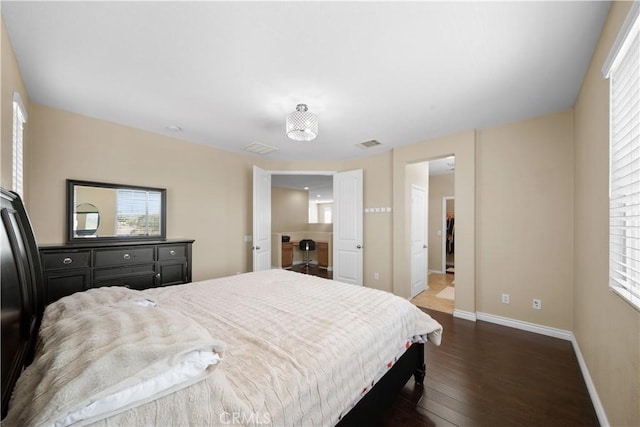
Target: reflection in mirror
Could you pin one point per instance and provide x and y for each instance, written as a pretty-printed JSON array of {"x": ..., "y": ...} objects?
[
  {"x": 86, "y": 220},
  {"x": 137, "y": 213},
  {"x": 113, "y": 211}
]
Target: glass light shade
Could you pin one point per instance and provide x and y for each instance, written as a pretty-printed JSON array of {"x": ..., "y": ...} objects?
[{"x": 301, "y": 124}]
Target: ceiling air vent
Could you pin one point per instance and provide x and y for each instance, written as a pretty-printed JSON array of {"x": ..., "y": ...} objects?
[
  {"x": 368, "y": 144},
  {"x": 259, "y": 148}
]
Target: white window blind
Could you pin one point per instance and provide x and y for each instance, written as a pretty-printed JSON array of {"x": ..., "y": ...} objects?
[
  {"x": 624, "y": 171},
  {"x": 138, "y": 213},
  {"x": 19, "y": 119}
]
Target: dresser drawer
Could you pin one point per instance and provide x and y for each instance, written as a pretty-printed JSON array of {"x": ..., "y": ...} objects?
[
  {"x": 168, "y": 252},
  {"x": 60, "y": 283},
  {"x": 65, "y": 260},
  {"x": 122, "y": 256},
  {"x": 100, "y": 274},
  {"x": 139, "y": 281}
]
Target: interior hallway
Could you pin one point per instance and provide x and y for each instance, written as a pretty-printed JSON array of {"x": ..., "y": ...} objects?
[{"x": 437, "y": 297}]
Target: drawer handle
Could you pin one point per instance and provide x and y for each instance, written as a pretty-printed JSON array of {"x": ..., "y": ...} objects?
[
  {"x": 172, "y": 252},
  {"x": 158, "y": 275},
  {"x": 126, "y": 256},
  {"x": 67, "y": 260}
]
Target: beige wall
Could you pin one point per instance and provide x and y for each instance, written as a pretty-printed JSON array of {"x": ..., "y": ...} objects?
[
  {"x": 524, "y": 215},
  {"x": 607, "y": 329},
  {"x": 11, "y": 82},
  {"x": 289, "y": 209},
  {"x": 320, "y": 207},
  {"x": 325, "y": 228},
  {"x": 209, "y": 196},
  {"x": 439, "y": 186}
]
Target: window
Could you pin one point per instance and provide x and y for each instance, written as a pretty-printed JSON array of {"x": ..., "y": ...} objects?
[
  {"x": 19, "y": 119},
  {"x": 138, "y": 213},
  {"x": 327, "y": 214},
  {"x": 623, "y": 70}
]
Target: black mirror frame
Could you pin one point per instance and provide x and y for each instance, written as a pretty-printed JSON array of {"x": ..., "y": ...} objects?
[{"x": 71, "y": 183}]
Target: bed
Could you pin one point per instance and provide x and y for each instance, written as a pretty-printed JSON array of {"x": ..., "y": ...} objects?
[{"x": 274, "y": 347}]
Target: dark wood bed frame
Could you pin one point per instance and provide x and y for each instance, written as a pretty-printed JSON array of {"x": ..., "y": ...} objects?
[
  {"x": 22, "y": 292},
  {"x": 23, "y": 306}
]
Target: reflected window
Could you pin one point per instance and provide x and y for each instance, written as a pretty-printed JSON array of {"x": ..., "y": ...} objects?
[
  {"x": 327, "y": 214},
  {"x": 138, "y": 213}
]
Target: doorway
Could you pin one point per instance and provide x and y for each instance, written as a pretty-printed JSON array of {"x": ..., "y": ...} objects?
[
  {"x": 448, "y": 234},
  {"x": 346, "y": 240},
  {"x": 440, "y": 293}
]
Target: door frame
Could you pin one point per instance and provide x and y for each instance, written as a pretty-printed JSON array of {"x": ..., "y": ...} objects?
[{"x": 335, "y": 213}]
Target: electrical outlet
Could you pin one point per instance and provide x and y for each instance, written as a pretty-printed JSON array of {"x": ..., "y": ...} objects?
[
  {"x": 505, "y": 298},
  {"x": 376, "y": 276},
  {"x": 537, "y": 304}
]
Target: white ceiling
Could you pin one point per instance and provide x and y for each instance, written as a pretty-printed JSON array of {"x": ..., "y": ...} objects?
[{"x": 228, "y": 73}]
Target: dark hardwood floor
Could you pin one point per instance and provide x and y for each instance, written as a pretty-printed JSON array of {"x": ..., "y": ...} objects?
[
  {"x": 313, "y": 270},
  {"x": 490, "y": 375}
]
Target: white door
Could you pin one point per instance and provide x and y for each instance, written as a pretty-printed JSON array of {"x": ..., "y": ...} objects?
[
  {"x": 418, "y": 240},
  {"x": 261, "y": 219},
  {"x": 347, "y": 227}
]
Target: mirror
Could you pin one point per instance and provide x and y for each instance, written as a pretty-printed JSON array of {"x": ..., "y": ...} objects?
[
  {"x": 86, "y": 219},
  {"x": 101, "y": 211}
]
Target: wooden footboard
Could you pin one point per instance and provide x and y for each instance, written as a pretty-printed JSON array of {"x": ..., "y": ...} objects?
[
  {"x": 373, "y": 405},
  {"x": 22, "y": 298}
]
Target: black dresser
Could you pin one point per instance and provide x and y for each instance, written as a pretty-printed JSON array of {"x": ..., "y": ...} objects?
[{"x": 137, "y": 265}]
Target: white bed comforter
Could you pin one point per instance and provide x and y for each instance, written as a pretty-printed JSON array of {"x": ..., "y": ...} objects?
[{"x": 300, "y": 350}]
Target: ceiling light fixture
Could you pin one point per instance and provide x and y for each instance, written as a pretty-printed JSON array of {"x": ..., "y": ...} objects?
[{"x": 301, "y": 124}]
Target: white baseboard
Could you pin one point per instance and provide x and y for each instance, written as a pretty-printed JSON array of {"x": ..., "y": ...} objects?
[
  {"x": 595, "y": 399},
  {"x": 466, "y": 315},
  {"x": 526, "y": 326}
]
